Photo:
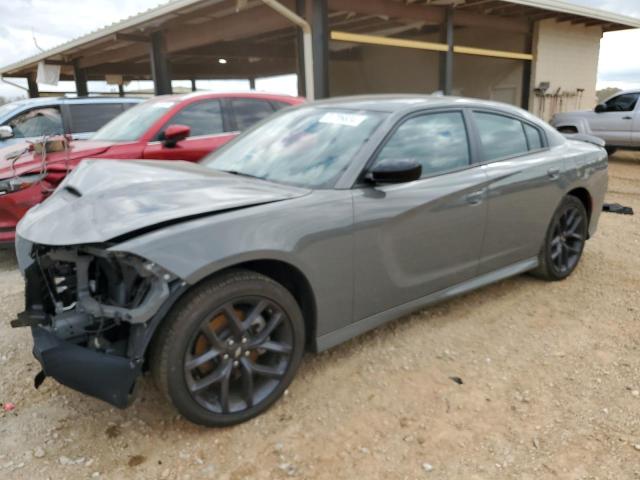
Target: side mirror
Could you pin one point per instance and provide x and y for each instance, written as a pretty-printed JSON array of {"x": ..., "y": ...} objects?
[
  {"x": 5, "y": 132},
  {"x": 395, "y": 171},
  {"x": 601, "y": 108},
  {"x": 174, "y": 134}
]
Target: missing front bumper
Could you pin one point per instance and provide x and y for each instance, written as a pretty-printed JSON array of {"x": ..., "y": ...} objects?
[{"x": 100, "y": 375}]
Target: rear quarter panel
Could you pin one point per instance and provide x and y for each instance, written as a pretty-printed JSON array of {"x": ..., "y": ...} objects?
[{"x": 586, "y": 166}]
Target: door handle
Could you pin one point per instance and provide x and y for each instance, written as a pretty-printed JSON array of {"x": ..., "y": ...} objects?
[
  {"x": 554, "y": 173},
  {"x": 475, "y": 198},
  {"x": 627, "y": 118}
]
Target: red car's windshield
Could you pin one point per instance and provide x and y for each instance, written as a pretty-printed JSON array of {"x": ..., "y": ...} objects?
[{"x": 133, "y": 123}]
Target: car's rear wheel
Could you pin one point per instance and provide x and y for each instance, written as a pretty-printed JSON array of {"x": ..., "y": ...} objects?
[
  {"x": 229, "y": 349},
  {"x": 565, "y": 240}
]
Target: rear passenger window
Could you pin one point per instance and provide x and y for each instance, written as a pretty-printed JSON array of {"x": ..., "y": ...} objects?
[
  {"x": 204, "y": 118},
  {"x": 249, "y": 111},
  {"x": 500, "y": 136},
  {"x": 90, "y": 117},
  {"x": 438, "y": 141},
  {"x": 533, "y": 137}
]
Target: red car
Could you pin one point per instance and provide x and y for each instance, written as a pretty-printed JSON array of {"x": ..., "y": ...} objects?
[{"x": 173, "y": 127}]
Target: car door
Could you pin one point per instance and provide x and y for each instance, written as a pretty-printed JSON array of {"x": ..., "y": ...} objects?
[
  {"x": 416, "y": 238},
  {"x": 210, "y": 129},
  {"x": 524, "y": 187},
  {"x": 615, "y": 124}
]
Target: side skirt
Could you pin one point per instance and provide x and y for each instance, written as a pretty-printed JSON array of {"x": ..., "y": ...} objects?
[{"x": 338, "y": 336}]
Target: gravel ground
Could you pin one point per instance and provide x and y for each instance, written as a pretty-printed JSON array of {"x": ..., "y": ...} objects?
[{"x": 550, "y": 371}]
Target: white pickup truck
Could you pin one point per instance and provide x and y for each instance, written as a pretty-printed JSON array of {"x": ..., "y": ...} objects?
[{"x": 616, "y": 121}]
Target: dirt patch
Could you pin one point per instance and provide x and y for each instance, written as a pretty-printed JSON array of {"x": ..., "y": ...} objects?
[{"x": 549, "y": 388}]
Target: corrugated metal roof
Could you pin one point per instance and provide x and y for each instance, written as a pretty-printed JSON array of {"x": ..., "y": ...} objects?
[
  {"x": 174, "y": 6},
  {"x": 133, "y": 21},
  {"x": 573, "y": 9}
]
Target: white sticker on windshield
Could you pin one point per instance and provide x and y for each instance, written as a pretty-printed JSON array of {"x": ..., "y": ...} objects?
[{"x": 346, "y": 119}]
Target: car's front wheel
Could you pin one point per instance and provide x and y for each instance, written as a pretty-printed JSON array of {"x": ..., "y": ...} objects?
[
  {"x": 229, "y": 349},
  {"x": 565, "y": 240}
]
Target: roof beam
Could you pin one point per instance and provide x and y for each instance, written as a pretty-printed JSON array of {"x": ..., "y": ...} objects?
[
  {"x": 199, "y": 70},
  {"x": 475, "y": 4},
  {"x": 242, "y": 50},
  {"x": 431, "y": 15},
  {"x": 427, "y": 14},
  {"x": 131, "y": 37},
  {"x": 253, "y": 21},
  {"x": 57, "y": 62},
  {"x": 115, "y": 55},
  {"x": 566, "y": 18}
]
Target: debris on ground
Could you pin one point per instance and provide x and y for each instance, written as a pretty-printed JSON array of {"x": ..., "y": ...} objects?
[
  {"x": 617, "y": 208},
  {"x": 457, "y": 380}
]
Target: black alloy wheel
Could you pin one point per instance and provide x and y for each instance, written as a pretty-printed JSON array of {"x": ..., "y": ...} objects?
[
  {"x": 230, "y": 349},
  {"x": 568, "y": 240},
  {"x": 565, "y": 240},
  {"x": 238, "y": 357}
]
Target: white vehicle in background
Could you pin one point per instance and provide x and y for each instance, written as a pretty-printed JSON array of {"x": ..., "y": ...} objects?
[{"x": 616, "y": 121}]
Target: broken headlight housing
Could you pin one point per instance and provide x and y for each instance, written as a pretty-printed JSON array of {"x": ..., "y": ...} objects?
[{"x": 93, "y": 297}]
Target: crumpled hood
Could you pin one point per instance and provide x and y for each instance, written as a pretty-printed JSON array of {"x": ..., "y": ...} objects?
[
  {"x": 104, "y": 199},
  {"x": 25, "y": 162}
]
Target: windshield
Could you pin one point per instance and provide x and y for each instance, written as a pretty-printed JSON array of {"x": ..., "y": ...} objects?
[
  {"x": 306, "y": 146},
  {"x": 134, "y": 122}
]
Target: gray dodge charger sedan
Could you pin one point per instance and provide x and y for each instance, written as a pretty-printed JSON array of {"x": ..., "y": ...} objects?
[{"x": 318, "y": 224}]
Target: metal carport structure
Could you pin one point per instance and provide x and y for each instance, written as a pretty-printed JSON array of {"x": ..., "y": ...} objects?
[{"x": 186, "y": 39}]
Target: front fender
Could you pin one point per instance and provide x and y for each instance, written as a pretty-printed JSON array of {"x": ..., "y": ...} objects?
[{"x": 313, "y": 234}]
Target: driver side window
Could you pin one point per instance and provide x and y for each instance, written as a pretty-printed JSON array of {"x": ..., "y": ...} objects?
[
  {"x": 623, "y": 103},
  {"x": 37, "y": 122},
  {"x": 437, "y": 141}
]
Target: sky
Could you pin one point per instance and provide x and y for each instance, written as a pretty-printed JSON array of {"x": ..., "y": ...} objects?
[{"x": 29, "y": 25}]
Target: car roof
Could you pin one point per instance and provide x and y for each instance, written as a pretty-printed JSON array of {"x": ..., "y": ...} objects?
[
  {"x": 400, "y": 103},
  {"x": 259, "y": 95},
  {"x": 34, "y": 102},
  {"x": 406, "y": 103}
]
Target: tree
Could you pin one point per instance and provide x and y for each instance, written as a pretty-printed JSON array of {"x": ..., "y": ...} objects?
[{"x": 606, "y": 93}]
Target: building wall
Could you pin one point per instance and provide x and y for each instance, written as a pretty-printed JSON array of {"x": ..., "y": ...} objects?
[
  {"x": 566, "y": 56},
  {"x": 382, "y": 69}
]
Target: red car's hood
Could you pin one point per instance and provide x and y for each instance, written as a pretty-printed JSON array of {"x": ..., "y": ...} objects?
[{"x": 25, "y": 162}]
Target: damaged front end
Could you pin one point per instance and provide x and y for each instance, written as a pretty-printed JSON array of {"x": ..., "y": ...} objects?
[{"x": 92, "y": 313}]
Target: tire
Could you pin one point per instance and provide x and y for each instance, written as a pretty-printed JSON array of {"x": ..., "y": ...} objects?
[
  {"x": 229, "y": 348},
  {"x": 611, "y": 150},
  {"x": 564, "y": 241}
]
